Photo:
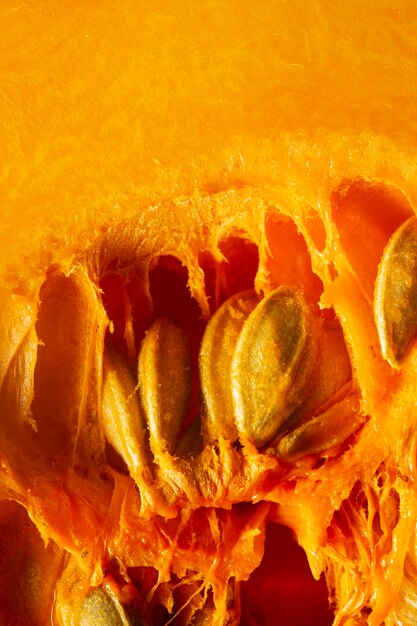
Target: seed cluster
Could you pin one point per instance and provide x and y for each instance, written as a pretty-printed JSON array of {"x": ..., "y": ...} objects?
[{"x": 263, "y": 366}]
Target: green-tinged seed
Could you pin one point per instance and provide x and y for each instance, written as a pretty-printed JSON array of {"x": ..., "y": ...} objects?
[
  {"x": 165, "y": 379},
  {"x": 396, "y": 294},
  {"x": 272, "y": 364},
  {"x": 330, "y": 428},
  {"x": 103, "y": 609},
  {"x": 216, "y": 354},
  {"x": 98, "y": 609}
]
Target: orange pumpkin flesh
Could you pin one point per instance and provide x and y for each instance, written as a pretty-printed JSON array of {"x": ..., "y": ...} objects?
[{"x": 263, "y": 165}]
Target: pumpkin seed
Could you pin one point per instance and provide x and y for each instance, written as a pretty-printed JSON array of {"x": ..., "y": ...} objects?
[
  {"x": 67, "y": 328},
  {"x": 272, "y": 364},
  {"x": 101, "y": 608},
  {"x": 330, "y": 428},
  {"x": 215, "y": 359},
  {"x": 333, "y": 357},
  {"x": 16, "y": 400},
  {"x": 396, "y": 294},
  {"x": 122, "y": 419},
  {"x": 165, "y": 379},
  {"x": 16, "y": 319}
]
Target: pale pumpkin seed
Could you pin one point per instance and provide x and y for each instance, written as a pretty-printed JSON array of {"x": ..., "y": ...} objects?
[
  {"x": 396, "y": 294},
  {"x": 122, "y": 419},
  {"x": 101, "y": 608},
  {"x": 125, "y": 429},
  {"x": 272, "y": 364},
  {"x": 215, "y": 359},
  {"x": 330, "y": 428},
  {"x": 98, "y": 609},
  {"x": 165, "y": 380}
]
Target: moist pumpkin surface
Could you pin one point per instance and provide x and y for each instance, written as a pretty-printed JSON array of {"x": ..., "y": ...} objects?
[{"x": 208, "y": 314}]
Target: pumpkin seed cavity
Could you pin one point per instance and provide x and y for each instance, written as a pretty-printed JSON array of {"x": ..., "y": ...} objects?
[{"x": 396, "y": 294}]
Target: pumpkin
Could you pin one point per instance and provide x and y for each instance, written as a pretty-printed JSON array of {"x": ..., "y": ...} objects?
[{"x": 208, "y": 314}]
